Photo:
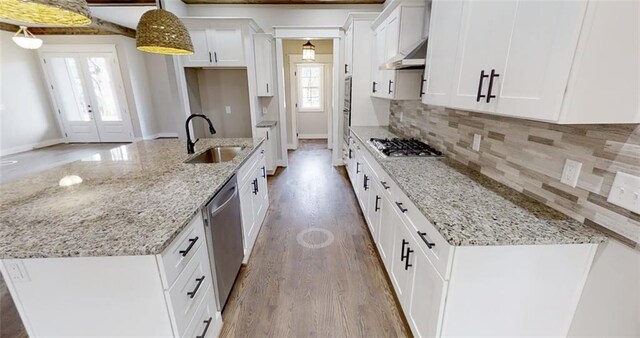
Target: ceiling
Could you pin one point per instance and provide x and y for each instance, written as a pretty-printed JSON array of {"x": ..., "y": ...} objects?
[
  {"x": 283, "y": 2},
  {"x": 127, "y": 16},
  {"x": 121, "y": 2}
]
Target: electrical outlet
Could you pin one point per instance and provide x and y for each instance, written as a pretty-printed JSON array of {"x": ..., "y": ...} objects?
[
  {"x": 16, "y": 271},
  {"x": 476, "y": 142},
  {"x": 264, "y": 111},
  {"x": 625, "y": 192},
  {"x": 227, "y": 109},
  {"x": 571, "y": 172}
]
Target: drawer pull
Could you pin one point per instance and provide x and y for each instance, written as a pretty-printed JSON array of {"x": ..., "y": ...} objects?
[
  {"x": 404, "y": 242},
  {"x": 480, "y": 95},
  {"x": 423, "y": 235},
  {"x": 206, "y": 328},
  {"x": 357, "y": 168},
  {"x": 403, "y": 209},
  {"x": 186, "y": 251},
  {"x": 193, "y": 293},
  {"x": 384, "y": 185},
  {"x": 377, "y": 207},
  {"x": 264, "y": 172},
  {"x": 406, "y": 263}
]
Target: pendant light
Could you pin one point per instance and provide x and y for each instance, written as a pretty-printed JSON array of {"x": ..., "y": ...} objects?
[
  {"x": 308, "y": 51},
  {"x": 161, "y": 32},
  {"x": 26, "y": 40},
  {"x": 48, "y": 12}
]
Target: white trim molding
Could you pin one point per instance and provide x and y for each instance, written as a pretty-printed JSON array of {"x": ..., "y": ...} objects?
[
  {"x": 33, "y": 146},
  {"x": 312, "y": 136}
]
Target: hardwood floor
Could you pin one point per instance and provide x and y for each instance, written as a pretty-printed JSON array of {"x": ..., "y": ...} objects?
[
  {"x": 291, "y": 290},
  {"x": 33, "y": 161}
]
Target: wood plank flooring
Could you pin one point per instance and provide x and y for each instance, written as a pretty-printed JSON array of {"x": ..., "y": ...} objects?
[{"x": 289, "y": 290}]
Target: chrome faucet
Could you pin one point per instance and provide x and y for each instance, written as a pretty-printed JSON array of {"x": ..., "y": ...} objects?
[{"x": 191, "y": 145}]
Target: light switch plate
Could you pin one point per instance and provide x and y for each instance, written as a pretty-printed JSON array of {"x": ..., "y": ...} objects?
[
  {"x": 625, "y": 192},
  {"x": 476, "y": 142},
  {"x": 227, "y": 109},
  {"x": 571, "y": 173},
  {"x": 16, "y": 271}
]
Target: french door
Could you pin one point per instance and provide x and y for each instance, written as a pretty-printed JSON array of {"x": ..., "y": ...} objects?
[{"x": 89, "y": 96}]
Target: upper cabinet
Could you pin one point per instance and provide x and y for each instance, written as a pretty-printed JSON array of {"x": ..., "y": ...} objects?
[
  {"x": 398, "y": 27},
  {"x": 348, "y": 50},
  {"x": 215, "y": 45},
  {"x": 523, "y": 59},
  {"x": 263, "y": 46}
]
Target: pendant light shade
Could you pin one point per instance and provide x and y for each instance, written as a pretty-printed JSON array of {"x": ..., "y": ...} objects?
[
  {"x": 308, "y": 51},
  {"x": 48, "y": 12},
  {"x": 26, "y": 40},
  {"x": 161, "y": 32}
]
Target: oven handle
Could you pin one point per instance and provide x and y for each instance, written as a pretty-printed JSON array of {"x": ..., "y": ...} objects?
[{"x": 223, "y": 205}]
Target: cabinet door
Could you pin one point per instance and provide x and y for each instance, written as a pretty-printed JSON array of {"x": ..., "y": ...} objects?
[
  {"x": 359, "y": 175},
  {"x": 426, "y": 297},
  {"x": 264, "y": 64},
  {"x": 365, "y": 186},
  {"x": 378, "y": 76},
  {"x": 374, "y": 209},
  {"x": 392, "y": 34},
  {"x": 388, "y": 222},
  {"x": 348, "y": 49},
  {"x": 483, "y": 46},
  {"x": 444, "y": 30},
  {"x": 404, "y": 252},
  {"x": 539, "y": 58},
  {"x": 246, "y": 207},
  {"x": 201, "y": 56},
  {"x": 228, "y": 47}
]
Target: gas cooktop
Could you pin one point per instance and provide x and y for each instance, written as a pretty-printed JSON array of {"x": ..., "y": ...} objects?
[{"x": 398, "y": 147}]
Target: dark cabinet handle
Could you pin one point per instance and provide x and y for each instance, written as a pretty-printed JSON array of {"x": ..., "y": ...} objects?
[
  {"x": 404, "y": 242},
  {"x": 210, "y": 59},
  {"x": 423, "y": 235},
  {"x": 407, "y": 265},
  {"x": 357, "y": 167},
  {"x": 215, "y": 56},
  {"x": 366, "y": 181},
  {"x": 264, "y": 172},
  {"x": 193, "y": 293},
  {"x": 377, "y": 207},
  {"x": 186, "y": 251},
  {"x": 384, "y": 185},
  {"x": 390, "y": 82},
  {"x": 206, "y": 328},
  {"x": 491, "y": 77},
  {"x": 345, "y": 68},
  {"x": 255, "y": 186},
  {"x": 482, "y": 77},
  {"x": 422, "y": 86},
  {"x": 374, "y": 86},
  {"x": 267, "y": 87},
  {"x": 401, "y": 207},
  {"x": 350, "y": 153},
  {"x": 267, "y": 135}
]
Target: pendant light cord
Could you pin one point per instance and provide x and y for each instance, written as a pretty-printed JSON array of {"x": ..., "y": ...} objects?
[{"x": 159, "y": 4}]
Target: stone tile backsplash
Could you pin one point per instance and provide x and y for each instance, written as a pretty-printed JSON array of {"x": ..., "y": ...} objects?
[{"x": 529, "y": 156}]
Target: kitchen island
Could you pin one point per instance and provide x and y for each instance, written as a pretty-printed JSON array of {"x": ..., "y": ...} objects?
[{"x": 114, "y": 244}]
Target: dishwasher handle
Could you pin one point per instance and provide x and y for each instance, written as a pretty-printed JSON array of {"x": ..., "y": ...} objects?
[{"x": 214, "y": 212}]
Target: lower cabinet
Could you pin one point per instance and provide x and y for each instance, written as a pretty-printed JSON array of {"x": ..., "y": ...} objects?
[
  {"x": 269, "y": 147},
  {"x": 454, "y": 291},
  {"x": 254, "y": 198}
]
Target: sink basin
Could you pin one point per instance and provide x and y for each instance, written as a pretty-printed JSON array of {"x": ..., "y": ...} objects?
[{"x": 216, "y": 155}]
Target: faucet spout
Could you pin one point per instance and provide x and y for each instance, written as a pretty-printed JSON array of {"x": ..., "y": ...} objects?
[{"x": 191, "y": 144}]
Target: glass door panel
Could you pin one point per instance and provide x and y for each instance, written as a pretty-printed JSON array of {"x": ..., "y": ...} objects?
[{"x": 104, "y": 89}]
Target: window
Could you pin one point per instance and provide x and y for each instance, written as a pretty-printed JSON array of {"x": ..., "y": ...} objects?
[{"x": 310, "y": 92}]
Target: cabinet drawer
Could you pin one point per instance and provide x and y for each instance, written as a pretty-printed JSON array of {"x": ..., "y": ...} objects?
[
  {"x": 174, "y": 259},
  {"x": 189, "y": 289},
  {"x": 206, "y": 321},
  {"x": 423, "y": 232},
  {"x": 245, "y": 172}
]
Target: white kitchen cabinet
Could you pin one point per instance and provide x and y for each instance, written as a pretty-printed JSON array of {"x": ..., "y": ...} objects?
[
  {"x": 392, "y": 35},
  {"x": 389, "y": 219},
  {"x": 263, "y": 47},
  {"x": 404, "y": 249},
  {"x": 269, "y": 147},
  {"x": 348, "y": 50},
  {"x": 374, "y": 208},
  {"x": 215, "y": 45},
  {"x": 379, "y": 77},
  {"x": 538, "y": 60},
  {"x": 254, "y": 198},
  {"x": 444, "y": 29}
]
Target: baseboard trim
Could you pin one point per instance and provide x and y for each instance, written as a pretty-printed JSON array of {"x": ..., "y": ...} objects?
[
  {"x": 312, "y": 136},
  {"x": 27, "y": 147},
  {"x": 156, "y": 136}
]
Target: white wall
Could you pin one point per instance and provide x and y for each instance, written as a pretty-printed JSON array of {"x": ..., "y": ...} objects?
[
  {"x": 268, "y": 16},
  {"x": 610, "y": 302},
  {"x": 26, "y": 115},
  {"x": 166, "y": 107}
]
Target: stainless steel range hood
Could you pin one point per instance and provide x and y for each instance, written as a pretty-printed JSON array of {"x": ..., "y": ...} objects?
[{"x": 412, "y": 57}]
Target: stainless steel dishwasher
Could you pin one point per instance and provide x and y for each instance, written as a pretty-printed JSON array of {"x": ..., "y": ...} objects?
[{"x": 223, "y": 226}]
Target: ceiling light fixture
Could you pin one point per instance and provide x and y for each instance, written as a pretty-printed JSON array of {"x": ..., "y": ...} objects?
[
  {"x": 26, "y": 40},
  {"x": 48, "y": 12},
  {"x": 308, "y": 51},
  {"x": 161, "y": 32}
]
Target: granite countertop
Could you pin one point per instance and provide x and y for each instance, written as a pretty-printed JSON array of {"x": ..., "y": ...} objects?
[
  {"x": 469, "y": 208},
  {"x": 133, "y": 200},
  {"x": 266, "y": 124}
]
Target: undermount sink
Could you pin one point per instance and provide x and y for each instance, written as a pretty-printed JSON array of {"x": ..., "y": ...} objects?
[{"x": 216, "y": 155}]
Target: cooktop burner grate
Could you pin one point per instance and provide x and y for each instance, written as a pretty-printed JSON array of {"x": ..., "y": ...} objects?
[{"x": 397, "y": 147}]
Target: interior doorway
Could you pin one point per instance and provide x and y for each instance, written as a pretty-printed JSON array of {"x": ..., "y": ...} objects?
[
  {"x": 309, "y": 89},
  {"x": 88, "y": 96}
]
